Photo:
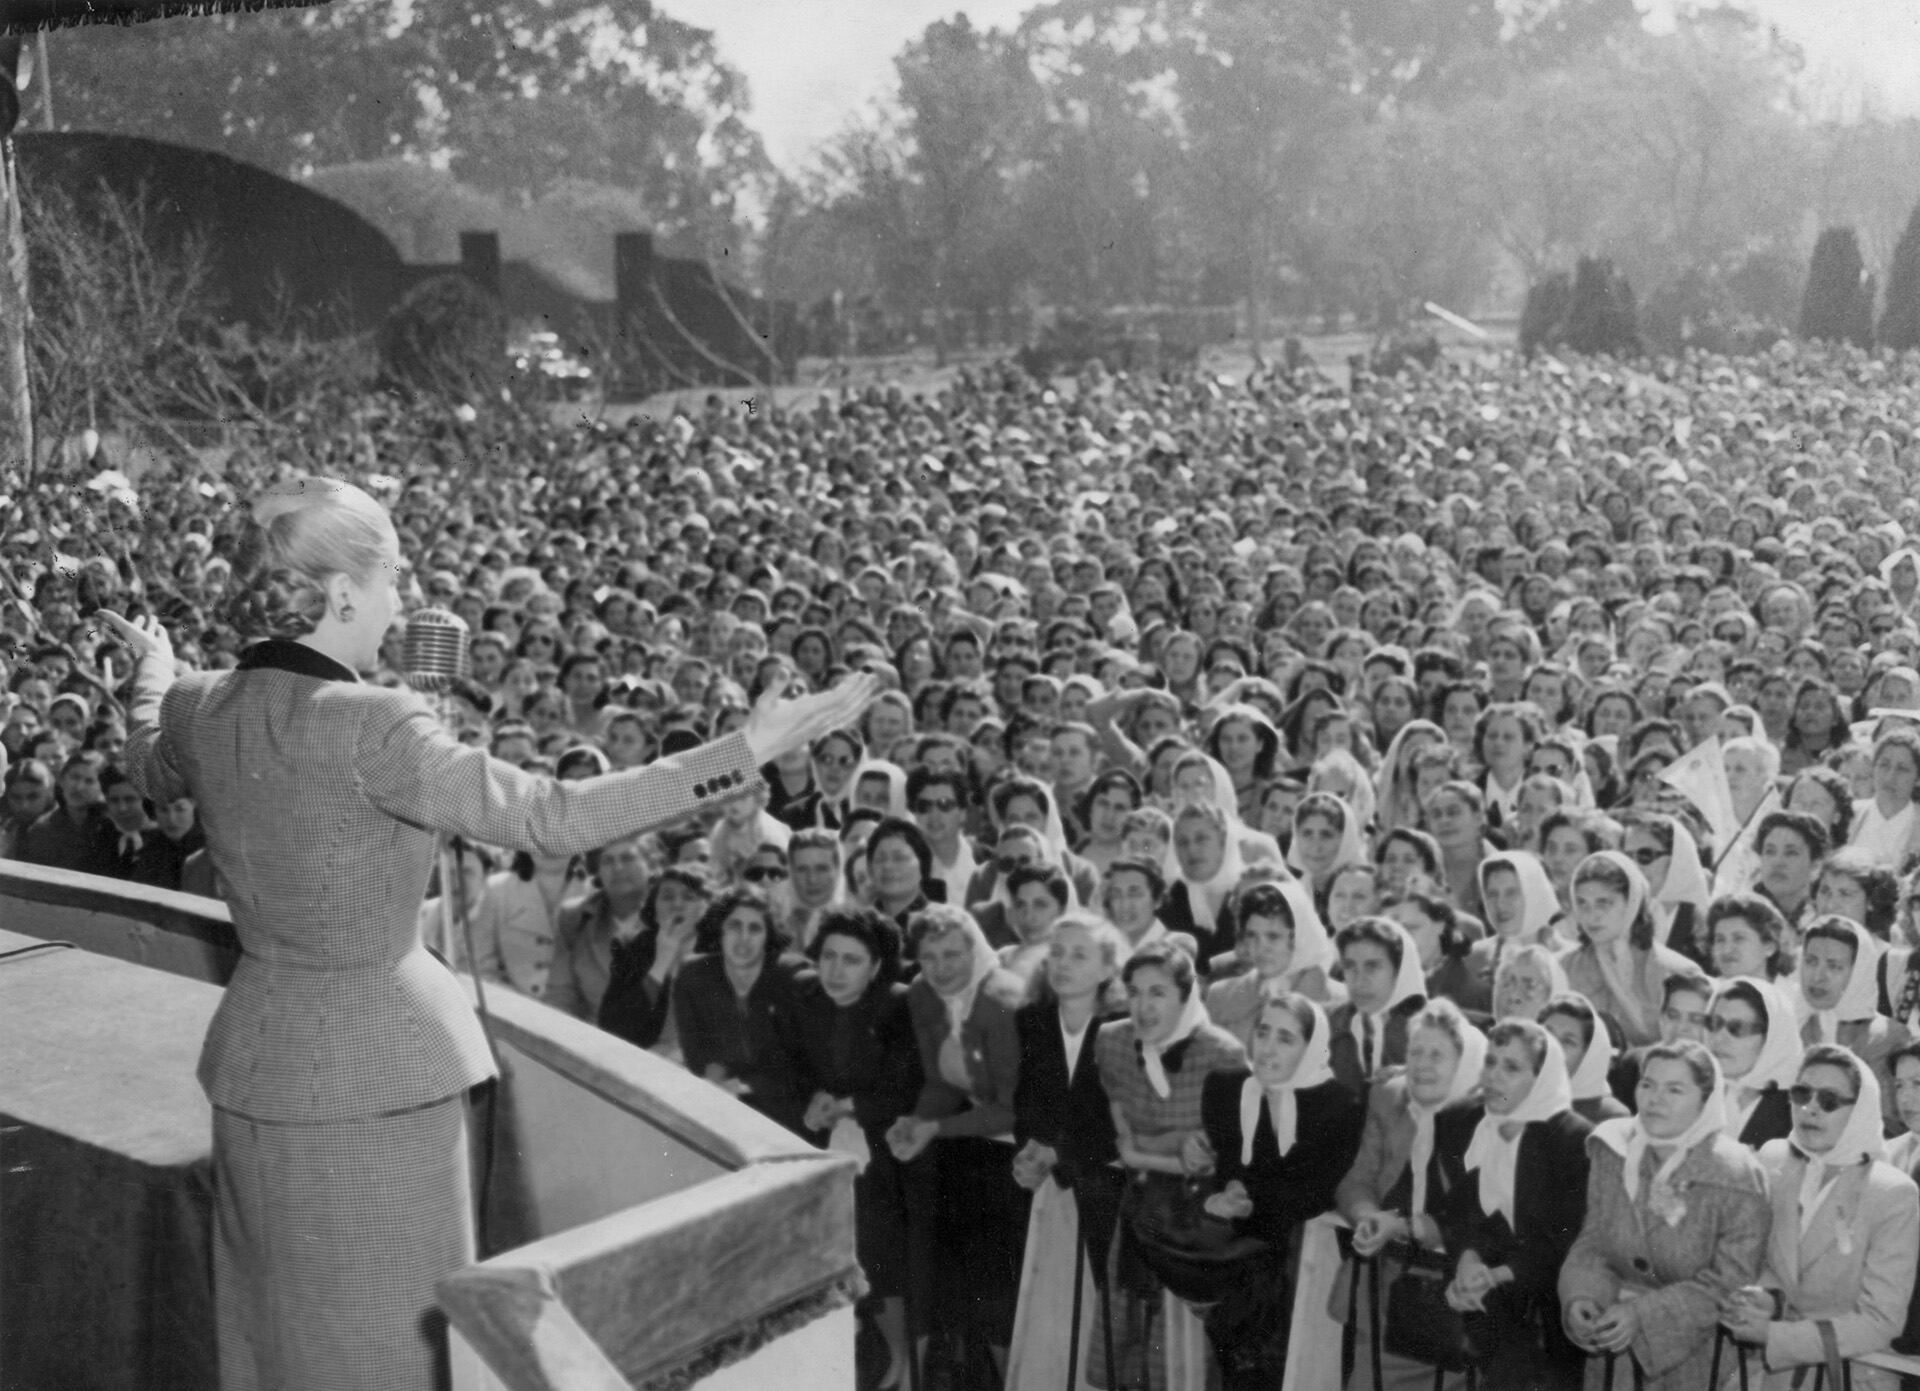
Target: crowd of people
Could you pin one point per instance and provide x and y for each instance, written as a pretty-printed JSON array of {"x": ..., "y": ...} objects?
[{"x": 1482, "y": 803}]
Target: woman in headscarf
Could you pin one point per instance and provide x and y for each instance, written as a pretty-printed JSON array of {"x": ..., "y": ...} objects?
[
  {"x": 1396, "y": 804},
  {"x": 1520, "y": 908},
  {"x": 967, "y": 1217},
  {"x": 1512, "y": 1171},
  {"x": 1887, "y": 824},
  {"x": 881, "y": 786},
  {"x": 1154, "y": 1065},
  {"x": 1753, "y": 1032},
  {"x": 1285, "y": 948},
  {"x": 1676, "y": 1211},
  {"x": 835, "y": 756},
  {"x": 1022, "y": 801},
  {"x": 1456, "y": 818},
  {"x": 1202, "y": 780},
  {"x": 1380, "y": 966},
  {"x": 1279, "y": 1137},
  {"x": 1588, "y": 1049},
  {"x": 1840, "y": 994},
  {"x": 1529, "y": 977},
  {"x": 1337, "y": 771},
  {"x": 1678, "y": 886},
  {"x": 1326, "y": 835},
  {"x": 1618, "y": 965},
  {"x": 1846, "y": 1229},
  {"x": 1208, "y": 868},
  {"x": 1245, "y": 743},
  {"x": 1387, "y": 1193}
]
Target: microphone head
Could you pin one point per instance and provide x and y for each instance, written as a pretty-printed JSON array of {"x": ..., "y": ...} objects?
[{"x": 435, "y": 650}]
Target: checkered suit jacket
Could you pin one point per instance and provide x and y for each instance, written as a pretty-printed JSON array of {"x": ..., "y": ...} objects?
[{"x": 320, "y": 797}]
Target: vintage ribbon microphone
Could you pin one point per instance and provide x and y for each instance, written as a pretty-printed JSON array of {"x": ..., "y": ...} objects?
[{"x": 433, "y": 658}]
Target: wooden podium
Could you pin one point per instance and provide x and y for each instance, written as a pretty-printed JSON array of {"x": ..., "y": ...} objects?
[{"x": 650, "y": 1231}]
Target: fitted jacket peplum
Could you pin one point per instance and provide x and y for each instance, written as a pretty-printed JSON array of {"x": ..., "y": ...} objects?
[{"x": 321, "y": 796}]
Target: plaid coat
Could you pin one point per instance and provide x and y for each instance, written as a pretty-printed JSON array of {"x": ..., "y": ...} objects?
[{"x": 320, "y": 797}]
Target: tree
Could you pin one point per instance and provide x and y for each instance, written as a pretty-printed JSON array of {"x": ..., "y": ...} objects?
[
  {"x": 514, "y": 96},
  {"x": 1544, "y": 316},
  {"x": 445, "y": 338},
  {"x": 1839, "y": 297},
  {"x": 1900, "y": 322},
  {"x": 971, "y": 106},
  {"x": 1600, "y": 316}
]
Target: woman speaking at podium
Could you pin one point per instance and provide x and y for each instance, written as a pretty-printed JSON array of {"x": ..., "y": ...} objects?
[{"x": 339, "y": 1060}]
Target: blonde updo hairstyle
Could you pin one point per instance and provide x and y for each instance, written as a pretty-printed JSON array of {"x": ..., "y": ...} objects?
[{"x": 302, "y": 533}]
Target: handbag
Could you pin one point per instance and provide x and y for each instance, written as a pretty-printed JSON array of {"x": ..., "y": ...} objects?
[
  {"x": 1193, "y": 1253},
  {"x": 1419, "y": 1323}
]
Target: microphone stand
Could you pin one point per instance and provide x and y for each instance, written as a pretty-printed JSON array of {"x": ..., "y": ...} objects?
[{"x": 485, "y": 1097}]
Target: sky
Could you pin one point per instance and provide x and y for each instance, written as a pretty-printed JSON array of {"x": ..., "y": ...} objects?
[{"x": 811, "y": 64}]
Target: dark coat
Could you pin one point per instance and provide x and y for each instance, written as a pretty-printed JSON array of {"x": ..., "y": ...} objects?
[
  {"x": 1176, "y": 912},
  {"x": 745, "y": 1036},
  {"x": 864, "y": 1051},
  {"x": 1287, "y": 1190},
  {"x": 1344, "y": 1053},
  {"x": 1549, "y": 1202},
  {"x": 1073, "y": 1118}
]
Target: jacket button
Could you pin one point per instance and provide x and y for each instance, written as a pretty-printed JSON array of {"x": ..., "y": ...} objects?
[{"x": 699, "y": 789}]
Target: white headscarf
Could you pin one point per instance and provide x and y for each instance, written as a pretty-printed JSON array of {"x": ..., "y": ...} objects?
[
  {"x": 1615, "y": 960},
  {"x": 1206, "y": 896},
  {"x": 1408, "y": 982},
  {"x": 1498, "y": 1157},
  {"x": 1861, "y": 997},
  {"x": 1627, "y": 1138},
  {"x": 1312, "y": 945},
  {"x": 1339, "y": 772},
  {"x": 1314, "y": 1068},
  {"x": 1557, "y": 983},
  {"x": 1686, "y": 882},
  {"x": 1352, "y": 849},
  {"x": 1539, "y": 904},
  {"x": 1466, "y": 1076},
  {"x": 1192, "y": 1015},
  {"x": 896, "y": 778},
  {"x": 1589, "y": 1080},
  {"x": 1053, "y": 835},
  {"x": 1777, "y": 1063},
  {"x": 1861, "y": 1141},
  {"x": 1393, "y": 786},
  {"x": 985, "y": 962}
]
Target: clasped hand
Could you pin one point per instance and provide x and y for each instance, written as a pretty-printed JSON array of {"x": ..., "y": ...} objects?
[
  {"x": 1230, "y": 1204},
  {"x": 1746, "y": 1312},
  {"x": 1472, "y": 1283},
  {"x": 909, "y": 1135},
  {"x": 1196, "y": 1155},
  {"x": 1375, "y": 1230},
  {"x": 1034, "y": 1164},
  {"x": 1612, "y": 1329},
  {"x": 824, "y": 1111}
]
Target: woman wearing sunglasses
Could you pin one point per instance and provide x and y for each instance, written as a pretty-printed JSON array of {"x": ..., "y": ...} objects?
[
  {"x": 1675, "y": 1210},
  {"x": 1846, "y": 1228},
  {"x": 1839, "y": 989},
  {"x": 1754, "y": 1034}
]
